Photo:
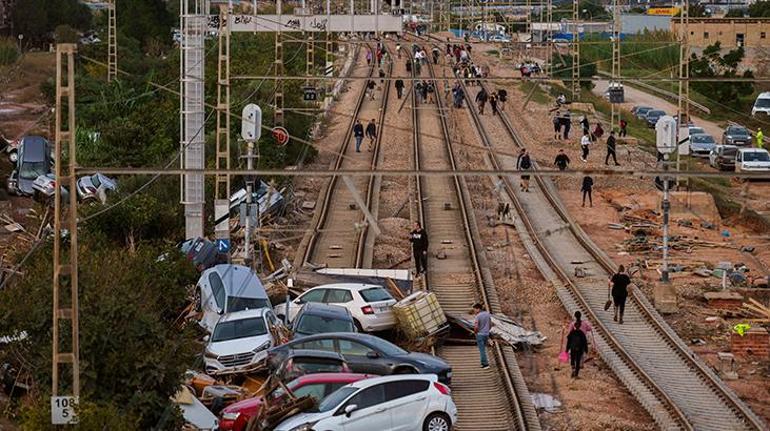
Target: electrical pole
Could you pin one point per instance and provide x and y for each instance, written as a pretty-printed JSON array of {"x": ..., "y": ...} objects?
[
  {"x": 65, "y": 265},
  {"x": 615, "y": 114},
  {"x": 251, "y": 131},
  {"x": 683, "y": 101},
  {"x": 222, "y": 181},
  {"x": 575, "y": 51},
  {"x": 278, "y": 119},
  {"x": 112, "y": 42},
  {"x": 549, "y": 36},
  {"x": 329, "y": 55}
]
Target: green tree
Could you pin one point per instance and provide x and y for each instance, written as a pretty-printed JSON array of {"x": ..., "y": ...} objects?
[
  {"x": 712, "y": 64},
  {"x": 37, "y": 19},
  {"x": 133, "y": 353},
  {"x": 760, "y": 9},
  {"x": 564, "y": 72},
  {"x": 145, "y": 20},
  {"x": 65, "y": 34}
]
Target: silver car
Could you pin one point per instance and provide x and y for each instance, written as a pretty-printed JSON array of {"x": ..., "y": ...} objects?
[
  {"x": 95, "y": 186},
  {"x": 228, "y": 288},
  {"x": 736, "y": 135},
  {"x": 701, "y": 144}
]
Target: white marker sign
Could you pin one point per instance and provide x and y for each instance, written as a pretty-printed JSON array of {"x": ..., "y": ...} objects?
[{"x": 63, "y": 410}]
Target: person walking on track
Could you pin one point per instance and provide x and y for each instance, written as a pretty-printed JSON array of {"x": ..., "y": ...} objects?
[
  {"x": 370, "y": 86},
  {"x": 419, "y": 239},
  {"x": 482, "y": 323},
  {"x": 623, "y": 129},
  {"x": 618, "y": 285},
  {"x": 588, "y": 184},
  {"x": 493, "y": 103},
  {"x": 481, "y": 100},
  {"x": 358, "y": 133},
  {"x": 371, "y": 133},
  {"x": 524, "y": 163},
  {"x": 585, "y": 143},
  {"x": 566, "y": 121},
  {"x": 398, "y": 50},
  {"x": 611, "y": 150},
  {"x": 561, "y": 161},
  {"x": 399, "y": 87},
  {"x": 502, "y": 97},
  {"x": 556, "y": 125},
  {"x": 584, "y": 123},
  {"x": 577, "y": 345}
]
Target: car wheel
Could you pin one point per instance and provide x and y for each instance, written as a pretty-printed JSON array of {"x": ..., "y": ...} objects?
[
  {"x": 13, "y": 156},
  {"x": 437, "y": 422},
  {"x": 358, "y": 325}
]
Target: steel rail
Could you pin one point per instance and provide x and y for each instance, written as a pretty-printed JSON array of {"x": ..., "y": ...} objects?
[
  {"x": 331, "y": 186},
  {"x": 523, "y": 420},
  {"x": 374, "y": 181}
]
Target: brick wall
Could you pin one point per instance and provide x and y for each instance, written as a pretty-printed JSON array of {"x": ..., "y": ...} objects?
[{"x": 755, "y": 342}]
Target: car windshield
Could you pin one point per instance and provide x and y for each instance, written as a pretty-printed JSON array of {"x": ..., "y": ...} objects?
[
  {"x": 335, "y": 398},
  {"x": 762, "y": 103},
  {"x": 309, "y": 324},
  {"x": 757, "y": 156},
  {"x": 702, "y": 139},
  {"x": 730, "y": 152},
  {"x": 375, "y": 294},
  {"x": 643, "y": 110},
  {"x": 235, "y": 303},
  {"x": 235, "y": 329},
  {"x": 32, "y": 170},
  {"x": 95, "y": 181},
  {"x": 385, "y": 347},
  {"x": 655, "y": 113},
  {"x": 739, "y": 131}
]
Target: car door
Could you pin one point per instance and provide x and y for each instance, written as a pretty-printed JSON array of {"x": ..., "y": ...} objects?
[
  {"x": 355, "y": 355},
  {"x": 407, "y": 402},
  {"x": 371, "y": 411},
  {"x": 338, "y": 297},
  {"x": 313, "y": 295}
]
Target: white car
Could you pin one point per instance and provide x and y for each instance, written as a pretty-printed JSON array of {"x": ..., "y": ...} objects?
[
  {"x": 240, "y": 339},
  {"x": 406, "y": 402},
  {"x": 370, "y": 305},
  {"x": 762, "y": 104},
  {"x": 752, "y": 160},
  {"x": 226, "y": 289}
]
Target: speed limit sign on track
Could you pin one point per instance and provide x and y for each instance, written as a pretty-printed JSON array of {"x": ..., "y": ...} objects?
[{"x": 281, "y": 135}]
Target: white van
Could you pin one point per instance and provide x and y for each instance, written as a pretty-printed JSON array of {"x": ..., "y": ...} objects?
[
  {"x": 752, "y": 160},
  {"x": 762, "y": 104}
]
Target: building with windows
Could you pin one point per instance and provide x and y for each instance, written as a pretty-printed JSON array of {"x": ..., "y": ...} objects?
[{"x": 729, "y": 32}]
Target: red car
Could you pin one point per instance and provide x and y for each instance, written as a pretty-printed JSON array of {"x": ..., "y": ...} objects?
[{"x": 236, "y": 416}]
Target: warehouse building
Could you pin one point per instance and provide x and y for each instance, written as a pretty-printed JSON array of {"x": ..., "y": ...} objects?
[{"x": 729, "y": 32}]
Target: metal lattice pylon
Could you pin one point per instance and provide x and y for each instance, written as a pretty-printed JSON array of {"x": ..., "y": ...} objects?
[
  {"x": 222, "y": 183},
  {"x": 112, "y": 42},
  {"x": 615, "y": 114},
  {"x": 194, "y": 16},
  {"x": 575, "y": 50},
  {"x": 278, "y": 118},
  {"x": 549, "y": 36},
  {"x": 683, "y": 102},
  {"x": 66, "y": 350}
]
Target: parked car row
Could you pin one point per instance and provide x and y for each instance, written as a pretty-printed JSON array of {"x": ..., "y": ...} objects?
[
  {"x": 733, "y": 153},
  {"x": 317, "y": 346}
]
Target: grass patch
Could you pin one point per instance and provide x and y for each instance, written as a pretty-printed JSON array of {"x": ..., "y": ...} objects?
[
  {"x": 9, "y": 51},
  {"x": 539, "y": 95}
]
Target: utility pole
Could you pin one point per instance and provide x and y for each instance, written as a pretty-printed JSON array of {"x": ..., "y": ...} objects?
[
  {"x": 65, "y": 265},
  {"x": 549, "y": 36},
  {"x": 112, "y": 42},
  {"x": 575, "y": 51},
  {"x": 683, "y": 101},
  {"x": 251, "y": 131},
  {"x": 329, "y": 55},
  {"x": 222, "y": 181},
  {"x": 615, "y": 114},
  {"x": 278, "y": 119}
]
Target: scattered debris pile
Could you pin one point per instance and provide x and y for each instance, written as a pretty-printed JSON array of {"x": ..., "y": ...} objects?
[{"x": 504, "y": 329}]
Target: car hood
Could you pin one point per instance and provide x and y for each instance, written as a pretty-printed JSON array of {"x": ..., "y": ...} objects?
[
  {"x": 426, "y": 360},
  {"x": 302, "y": 418},
  {"x": 238, "y": 345},
  {"x": 703, "y": 144}
]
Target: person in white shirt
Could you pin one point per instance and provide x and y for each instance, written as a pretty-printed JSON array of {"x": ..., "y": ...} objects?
[{"x": 585, "y": 141}]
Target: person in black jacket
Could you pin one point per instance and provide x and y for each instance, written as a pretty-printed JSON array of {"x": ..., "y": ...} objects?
[
  {"x": 619, "y": 289},
  {"x": 358, "y": 133},
  {"x": 577, "y": 345},
  {"x": 481, "y": 100},
  {"x": 588, "y": 184},
  {"x": 524, "y": 163},
  {"x": 371, "y": 133},
  {"x": 399, "y": 87},
  {"x": 561, "y": 161},
  {"x": 419, "y": 239},
  {"x": 611, "y": 149}
]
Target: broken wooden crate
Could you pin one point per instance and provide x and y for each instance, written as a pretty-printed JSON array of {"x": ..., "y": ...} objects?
[{"x": 419, "y": 315}]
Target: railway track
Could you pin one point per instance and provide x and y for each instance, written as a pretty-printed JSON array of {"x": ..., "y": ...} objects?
[
  {"x": 678, "y": 389},
  {"x": 340, "y": 231},
  {"x": 491, "y": 399}
]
